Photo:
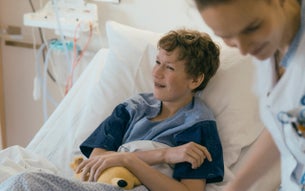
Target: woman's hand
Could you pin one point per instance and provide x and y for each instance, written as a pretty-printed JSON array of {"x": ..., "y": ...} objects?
[{"x": 190, "y": 152}]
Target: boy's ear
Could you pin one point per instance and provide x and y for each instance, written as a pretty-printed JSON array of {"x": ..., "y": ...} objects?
[{"x": 197, "y": 81}]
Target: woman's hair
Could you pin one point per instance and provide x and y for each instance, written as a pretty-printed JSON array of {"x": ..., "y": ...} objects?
[{"x": 197, "y": 49}]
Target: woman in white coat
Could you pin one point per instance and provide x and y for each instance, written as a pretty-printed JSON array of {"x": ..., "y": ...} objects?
[{"x": 272, "y": 31}]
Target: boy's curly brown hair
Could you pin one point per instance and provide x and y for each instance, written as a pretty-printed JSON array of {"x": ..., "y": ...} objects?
[{"x": 197, "y": 49}]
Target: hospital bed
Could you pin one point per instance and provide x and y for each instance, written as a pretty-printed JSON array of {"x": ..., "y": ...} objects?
[{"x": 124, "y": 69}]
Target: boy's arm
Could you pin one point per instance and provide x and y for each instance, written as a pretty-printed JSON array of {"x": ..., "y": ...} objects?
[
  {"x": 150, "y": 177},
  {"x": 98, "y": 151},
  {"x": 157, "y": 181},
  {"x": 191, "y": 152}
]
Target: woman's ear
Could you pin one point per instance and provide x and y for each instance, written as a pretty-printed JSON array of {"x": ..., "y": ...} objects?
[{"x": 197, "y": 81}]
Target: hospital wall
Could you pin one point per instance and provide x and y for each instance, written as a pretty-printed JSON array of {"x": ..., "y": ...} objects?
[{"x": 24, "y": 115}]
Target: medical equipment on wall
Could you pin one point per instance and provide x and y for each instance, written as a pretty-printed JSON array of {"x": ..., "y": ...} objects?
[
  {"x": 64, "y": 16},
  {"x": 74, "y": 22}
]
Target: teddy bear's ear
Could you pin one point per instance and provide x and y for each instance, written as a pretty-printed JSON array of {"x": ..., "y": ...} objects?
[
  {"x": 137, "y": 181},
  {"x": 76, "y": 162}
]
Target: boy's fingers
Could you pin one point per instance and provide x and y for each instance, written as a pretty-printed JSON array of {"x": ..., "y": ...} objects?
[{"x": 206, "y": 153}]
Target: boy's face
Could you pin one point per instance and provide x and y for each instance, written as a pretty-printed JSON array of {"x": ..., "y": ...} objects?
[{"x": 171, "y": 82}]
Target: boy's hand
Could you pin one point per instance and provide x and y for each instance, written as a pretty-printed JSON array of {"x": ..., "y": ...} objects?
[{"x": 189, "y": 152}]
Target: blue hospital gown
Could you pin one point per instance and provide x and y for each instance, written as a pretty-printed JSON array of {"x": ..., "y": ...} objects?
[{"x": 130, "y": 121}]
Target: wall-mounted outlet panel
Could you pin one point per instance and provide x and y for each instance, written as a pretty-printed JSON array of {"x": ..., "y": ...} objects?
[{"x": 71, "y": 17}]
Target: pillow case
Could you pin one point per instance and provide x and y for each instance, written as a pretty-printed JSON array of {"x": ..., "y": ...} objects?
[{"x": 127, "y": 71}]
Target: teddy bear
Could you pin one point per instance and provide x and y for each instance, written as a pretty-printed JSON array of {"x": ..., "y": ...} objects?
[{"x": 117, "y": 176}]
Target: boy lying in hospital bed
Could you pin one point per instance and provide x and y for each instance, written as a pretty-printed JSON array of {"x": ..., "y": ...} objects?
[{"x": 172, "y": 117}]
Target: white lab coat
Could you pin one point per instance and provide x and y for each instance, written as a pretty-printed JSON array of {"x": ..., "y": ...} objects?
[{"x": 284, "y": 95}]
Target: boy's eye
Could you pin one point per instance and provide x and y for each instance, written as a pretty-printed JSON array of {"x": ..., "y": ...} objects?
[{"x": 171, "y": 68}]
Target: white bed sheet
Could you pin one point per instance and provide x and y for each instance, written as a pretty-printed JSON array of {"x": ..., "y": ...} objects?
[{"x": 56, "y": 140}]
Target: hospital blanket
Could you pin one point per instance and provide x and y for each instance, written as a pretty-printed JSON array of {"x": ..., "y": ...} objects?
[
  {"x": 16, "y": 159},
  {"x": 45, "y": 181}
]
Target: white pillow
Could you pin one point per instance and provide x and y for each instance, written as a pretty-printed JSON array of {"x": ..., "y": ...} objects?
[
  {"x": 229, "y": 94},
  {"x": 127, "y": 71}
]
